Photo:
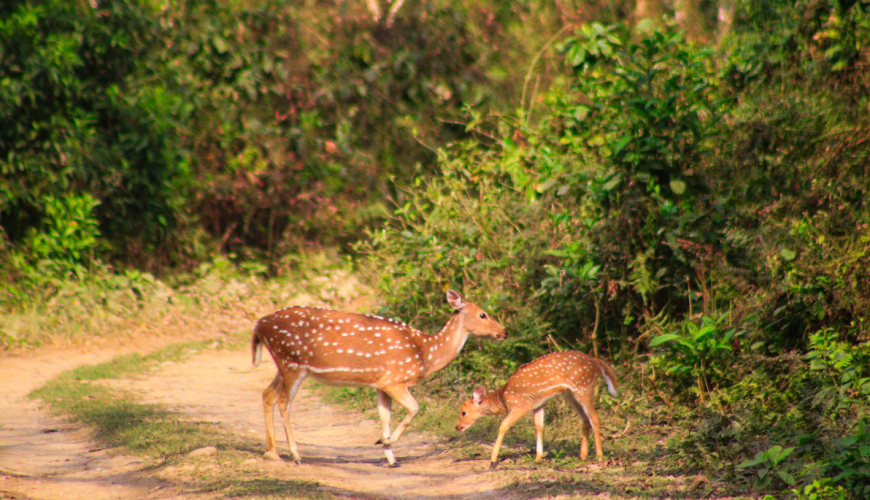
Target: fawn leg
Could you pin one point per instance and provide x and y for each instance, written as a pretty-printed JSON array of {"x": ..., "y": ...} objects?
[
  {"x": 539, "y": 433},
  {"x": 586, "y": 401},
  {"x": 506, "y": 424},
  {"x": 587, "y": 426}
]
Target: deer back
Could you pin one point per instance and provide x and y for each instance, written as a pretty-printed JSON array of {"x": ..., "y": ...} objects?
[{"x": 340, "y": 346}]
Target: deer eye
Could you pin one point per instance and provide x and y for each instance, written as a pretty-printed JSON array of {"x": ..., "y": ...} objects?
[
  {"x": 482, "y": 315},
  {"x": 463, "y": 414}
]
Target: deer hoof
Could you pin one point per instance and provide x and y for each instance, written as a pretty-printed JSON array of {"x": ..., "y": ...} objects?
[
  {"x": 394, "y": 465},
  {"x": 271, "y": 455},
  {"x": 492, "y": 465}
]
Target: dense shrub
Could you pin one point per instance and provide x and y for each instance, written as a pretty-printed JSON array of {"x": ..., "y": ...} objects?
[{"x": 85, "y": 109}]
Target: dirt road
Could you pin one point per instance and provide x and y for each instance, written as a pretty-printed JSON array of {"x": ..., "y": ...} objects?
[{"x": 44, "y": 458}]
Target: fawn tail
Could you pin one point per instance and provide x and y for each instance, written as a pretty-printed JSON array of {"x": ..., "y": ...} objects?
[{"x": 609, "y": 376}]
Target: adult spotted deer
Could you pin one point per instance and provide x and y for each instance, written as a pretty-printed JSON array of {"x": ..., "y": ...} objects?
[
  {"x": 572, "y": 374},
  {"x": 347, "y": 349}
]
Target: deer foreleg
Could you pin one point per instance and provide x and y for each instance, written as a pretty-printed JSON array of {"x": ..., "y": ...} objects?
[
  {"x": 384, "y": 410},
  {"x": 407, "y": 401}
]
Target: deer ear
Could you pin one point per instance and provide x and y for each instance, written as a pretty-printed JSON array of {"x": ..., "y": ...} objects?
[
  {"x": 477, "y": 395},
  {"x": 455, "y": 300}
]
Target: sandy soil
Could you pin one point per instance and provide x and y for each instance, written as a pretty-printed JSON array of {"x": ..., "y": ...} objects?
[{"x": 43, "y": 457}]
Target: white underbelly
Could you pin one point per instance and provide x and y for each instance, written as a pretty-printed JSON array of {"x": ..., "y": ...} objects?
[{"x": 341, "y": 383}]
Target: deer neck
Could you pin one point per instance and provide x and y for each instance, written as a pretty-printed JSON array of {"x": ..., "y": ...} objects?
[{"x": 443, "y": 347}]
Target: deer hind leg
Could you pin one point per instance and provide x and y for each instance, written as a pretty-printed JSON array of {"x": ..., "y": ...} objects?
[
  {"x": 292, "y": 380},
  {"x": 407, "y": 401},
  {"x": 585, "y": 401},
  {"x": 587, "y": 426},
  {"x": 270, "y": 397},
  {"x": 506, "y": 424},
  {"x": 539, "y": 433}
]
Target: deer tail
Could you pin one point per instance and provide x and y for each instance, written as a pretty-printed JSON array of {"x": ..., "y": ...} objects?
[{"x": 256, "y": 347}]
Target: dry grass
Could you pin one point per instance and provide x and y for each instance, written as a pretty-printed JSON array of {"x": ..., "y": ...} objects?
[{"x": 106, "y": 311}]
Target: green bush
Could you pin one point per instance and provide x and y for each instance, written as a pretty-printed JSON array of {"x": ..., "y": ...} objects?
[
  {"x": 66, "y": 242},
  {"x": 850, "y": 464},
  {"x": 642, "y": 115},
  {"x": 665, "y": 195},
  {"x": 769, "y": 466}
]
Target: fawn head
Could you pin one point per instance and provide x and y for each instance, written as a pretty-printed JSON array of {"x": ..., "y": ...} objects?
[
  {"x": 477, "y": 321},
  {"x": 472, "y": 409}
]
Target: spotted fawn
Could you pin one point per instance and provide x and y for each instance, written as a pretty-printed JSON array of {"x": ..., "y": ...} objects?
[{"x": 571, "y": 374}]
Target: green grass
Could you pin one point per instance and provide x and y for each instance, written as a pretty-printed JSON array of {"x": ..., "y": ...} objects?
[
  {"x": 232, "y": 474},
  {"x": 267, "y": 488}
]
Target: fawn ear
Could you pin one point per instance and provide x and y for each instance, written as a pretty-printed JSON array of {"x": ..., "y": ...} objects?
[
  {"x": 455, "y": 300},
  {"x": 477, "y": 395}
]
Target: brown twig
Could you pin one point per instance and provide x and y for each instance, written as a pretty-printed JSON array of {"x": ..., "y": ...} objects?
[{"x": 624, "y": 431}]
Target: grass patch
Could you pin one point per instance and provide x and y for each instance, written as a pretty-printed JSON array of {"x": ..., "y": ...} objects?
[
  {"x": 232, "y": 473},
  {"x": 266, "y": 488}
]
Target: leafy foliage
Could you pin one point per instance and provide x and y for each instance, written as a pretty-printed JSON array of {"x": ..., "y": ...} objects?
[
  {"x": 642, "y": 114},
  {"x": 68, "y": 239},
  {"x": 851, "y": 462},
  {"x": 820, "y": 490},
  {"x": 703, "y": 207},
  {"x": 699, "y": 358},
  {"x": 769, "y": 465}
]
